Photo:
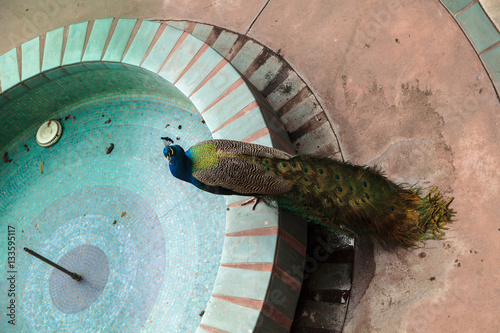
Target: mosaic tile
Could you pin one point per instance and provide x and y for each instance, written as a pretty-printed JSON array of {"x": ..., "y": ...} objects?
[{"x": 121, "y": 203}]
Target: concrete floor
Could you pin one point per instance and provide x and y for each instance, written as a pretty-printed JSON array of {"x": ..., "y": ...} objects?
[{"x": 404, "y": 89}]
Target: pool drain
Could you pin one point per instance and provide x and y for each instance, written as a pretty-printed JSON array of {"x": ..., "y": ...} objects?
[{"x": 48, "y": 134}]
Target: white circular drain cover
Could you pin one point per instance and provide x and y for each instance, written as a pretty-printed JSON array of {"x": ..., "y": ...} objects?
[{"x": 49, "y": 133}]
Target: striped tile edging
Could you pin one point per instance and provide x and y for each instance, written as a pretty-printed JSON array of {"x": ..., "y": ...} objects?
[
  {"x": 482, "y": 33},
  {"x": 231, "y": 110}
]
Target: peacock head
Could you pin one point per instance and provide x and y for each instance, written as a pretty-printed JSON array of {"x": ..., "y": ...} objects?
[{"x": 173, "y": 151}]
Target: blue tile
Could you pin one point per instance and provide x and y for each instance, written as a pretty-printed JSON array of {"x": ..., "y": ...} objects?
[
  {"x": 162, "y": 49},
  {"x": 141, "y": 43},
  {"x": 242, "y": 283},
  {"x": 455, "y": 5},
  {"x": 97, "y": 40},
  {"x": 30, "y": 58},
  {"x": 246, "y": 55},
  {"x": 215, "y": 87},
  {"x": 74, "y": 45},
  {"x": 225, "y": 42},
  {"x": 492, "y": 62},
  {"x": 478, "y": 27},
  {"x": 202, "y": 31},
  {"x": 218, "y": 312},
  {"x": 243, "y": 218},
  {"x": 259, "y": 249},
  {"x": 56, "y": 73},
  {"x": 198, "y": 71},
  {"x": 285, "y": 91},
  {"x": 283, "y": 297},
  {"x": 36, "y": 81},
  {"x": 229, "y": 106},
  {"x": 243, "y": 127},
  {"x": 53, "y": 49},
  {"x": 181, "y": 58},
  {"x": 4, "y": 100},
  {"x": 76, "y": 69},
  {"x": 96, "y": 66},
  {"x": 16, "y": 91},
  {"x": 290, "y": 260},
  {"x": 9, "y": 70},
  {"x": 119, "y": 40}
]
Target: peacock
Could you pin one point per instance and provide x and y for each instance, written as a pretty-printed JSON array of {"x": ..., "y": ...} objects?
[{"x": 357, "y": 201}]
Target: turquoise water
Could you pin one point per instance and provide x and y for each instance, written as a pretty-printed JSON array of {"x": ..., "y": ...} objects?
[{"x": 161, "y": 238}]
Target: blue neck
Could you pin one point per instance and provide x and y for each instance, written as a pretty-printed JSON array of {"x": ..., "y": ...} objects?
[{"x": 180, "y": 167}]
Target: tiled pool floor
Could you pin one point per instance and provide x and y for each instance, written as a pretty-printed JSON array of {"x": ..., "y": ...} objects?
[{"x": 161, "y": 238}]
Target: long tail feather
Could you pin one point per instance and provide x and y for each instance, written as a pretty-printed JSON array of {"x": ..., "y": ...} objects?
[{"x": 359, "y": 201}]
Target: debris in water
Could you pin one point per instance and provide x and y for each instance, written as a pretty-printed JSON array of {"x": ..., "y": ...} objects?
[
  {"x": 123, "y": 214},
  {"x": 42, "y": 165},
  {"x": 26, "y": 148},
  {"x": 107, "y": 121},
  {"x": 202, "y": 313},
  {"x": 110, "y": 148},
  {"x": 6, "y": 158},
  {"x": 69, "y": 116},
  {"x": 180, "y": 126}
]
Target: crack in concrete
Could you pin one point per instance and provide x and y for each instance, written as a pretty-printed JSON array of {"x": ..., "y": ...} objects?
[{"x": 256, "y": 17}]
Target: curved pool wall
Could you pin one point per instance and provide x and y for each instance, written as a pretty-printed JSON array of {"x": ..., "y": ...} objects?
[{"x": 260, "y": 270}]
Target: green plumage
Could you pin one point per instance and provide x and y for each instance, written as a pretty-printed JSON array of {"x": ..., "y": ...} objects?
[{"x": 354, "y": 200}]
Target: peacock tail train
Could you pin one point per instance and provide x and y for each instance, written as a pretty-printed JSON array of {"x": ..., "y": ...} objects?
[
  {"x": 350, "y": 199},
  {"x": 358, "y": 201}
]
